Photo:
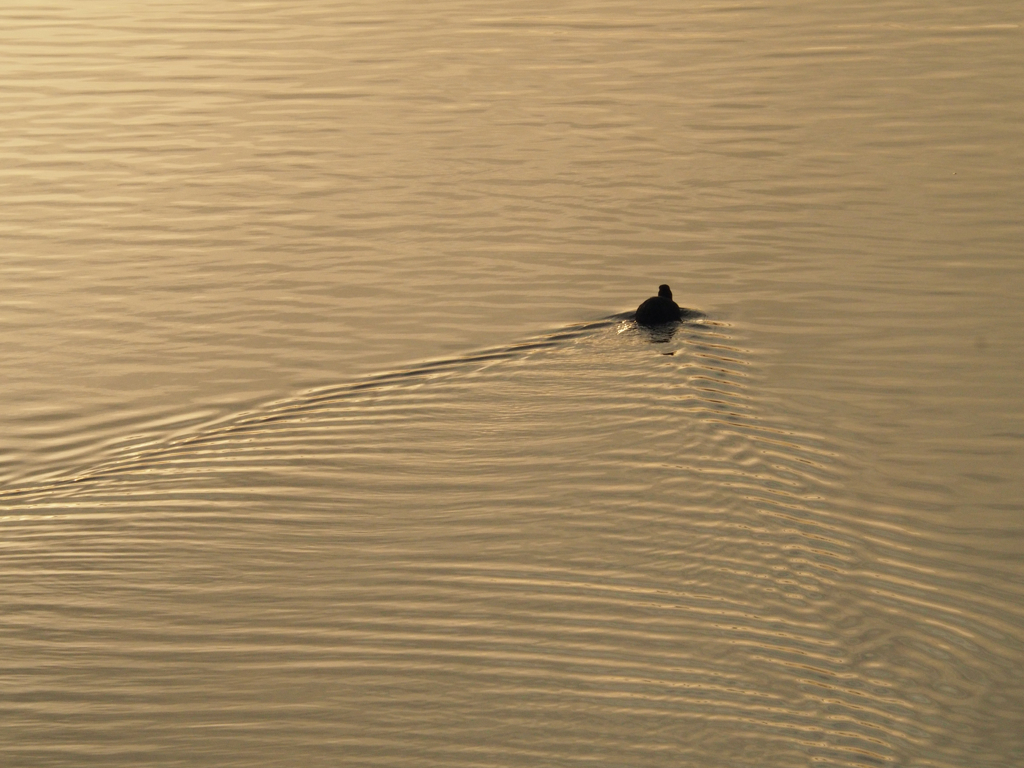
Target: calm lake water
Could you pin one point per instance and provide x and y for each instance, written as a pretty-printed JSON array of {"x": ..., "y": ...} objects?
[{"x": 326, "y": 437}]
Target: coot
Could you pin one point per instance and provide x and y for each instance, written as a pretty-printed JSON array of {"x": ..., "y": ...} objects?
[{"x": 660, "y": 309}]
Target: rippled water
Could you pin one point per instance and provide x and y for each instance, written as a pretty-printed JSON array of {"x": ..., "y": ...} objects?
[{"x": 327, "y": 438}]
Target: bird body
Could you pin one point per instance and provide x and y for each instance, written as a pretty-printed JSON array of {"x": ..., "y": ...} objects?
[{"x": 660, "y": 309}]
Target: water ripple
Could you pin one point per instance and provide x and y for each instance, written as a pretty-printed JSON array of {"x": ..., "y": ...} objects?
[{"x": 415, "y": 543}]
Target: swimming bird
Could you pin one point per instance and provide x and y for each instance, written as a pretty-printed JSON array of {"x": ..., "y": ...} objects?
[{"x": 660, "y": 309}]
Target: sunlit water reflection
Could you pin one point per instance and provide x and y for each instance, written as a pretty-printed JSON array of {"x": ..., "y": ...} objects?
[{"x": 263, "y": 505}]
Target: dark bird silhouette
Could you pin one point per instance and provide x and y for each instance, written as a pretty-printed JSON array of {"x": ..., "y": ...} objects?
[{"x": 660, "y": 309}]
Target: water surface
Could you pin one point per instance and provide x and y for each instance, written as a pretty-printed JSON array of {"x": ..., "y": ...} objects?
[{"x": 324, "y": 439}]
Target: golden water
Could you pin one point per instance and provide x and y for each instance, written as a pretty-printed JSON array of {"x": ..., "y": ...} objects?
[{"x": 324, "y": 439}]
